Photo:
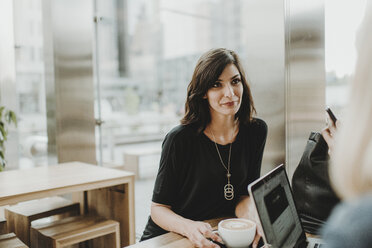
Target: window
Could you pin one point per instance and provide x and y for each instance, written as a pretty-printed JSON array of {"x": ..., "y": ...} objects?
[
  {"x": 340, "y": 49},
  {"x": 30, "y": 85}
]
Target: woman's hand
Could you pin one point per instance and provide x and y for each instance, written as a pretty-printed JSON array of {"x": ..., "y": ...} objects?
[
  {"x": 246, "y": 209},
  {"x": 198, "y": 233},
  {"x": 253, "y": 215},
  {"x": 328, "y": 134}
]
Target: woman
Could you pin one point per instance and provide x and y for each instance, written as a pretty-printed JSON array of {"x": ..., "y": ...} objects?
[
  {"x": 351, "y": 166},
  {"x": 208, "y": 161}
]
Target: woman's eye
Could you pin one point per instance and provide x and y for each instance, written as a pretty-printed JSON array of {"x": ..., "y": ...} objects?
[
  {"x": 236, "y": 81},
  {"x": 216, "y": 85}
]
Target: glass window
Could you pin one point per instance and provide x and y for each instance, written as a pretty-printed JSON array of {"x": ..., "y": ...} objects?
[
  {"x": 342, "y": 19},
  {"x": 146, "y": 53},
  {"x": 30, "y": 83}
]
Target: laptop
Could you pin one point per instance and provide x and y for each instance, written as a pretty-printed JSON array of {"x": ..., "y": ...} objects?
[{"x": 277, "y": 212}]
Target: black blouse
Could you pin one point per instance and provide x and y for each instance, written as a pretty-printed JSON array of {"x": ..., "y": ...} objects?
[{"x": 191, "y": 177}]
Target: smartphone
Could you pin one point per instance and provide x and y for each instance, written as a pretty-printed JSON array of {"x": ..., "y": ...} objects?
[{"x": 331, "y": 114}]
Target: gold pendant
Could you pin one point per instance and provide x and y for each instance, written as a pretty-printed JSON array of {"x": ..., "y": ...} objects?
[{"x": 229, "y": 191}]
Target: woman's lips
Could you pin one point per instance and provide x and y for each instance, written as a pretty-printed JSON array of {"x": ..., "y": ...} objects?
[{"x": 229, "y": 104}]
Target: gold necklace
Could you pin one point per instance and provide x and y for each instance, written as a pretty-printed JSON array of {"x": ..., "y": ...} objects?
[{"x": 229, "y": 188}]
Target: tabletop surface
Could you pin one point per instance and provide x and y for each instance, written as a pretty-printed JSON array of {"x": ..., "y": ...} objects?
[
  {"x": 57, "y": 177},
  {"x": 173, "y": 240}
]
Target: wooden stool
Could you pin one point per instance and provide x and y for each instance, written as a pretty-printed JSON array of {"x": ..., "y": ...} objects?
[
  {"x": 20, "y": 216},
  {"x": 10, "y": 240},
  {"x": 74, "y": 230},
  {"x": 3, "y": 227}
]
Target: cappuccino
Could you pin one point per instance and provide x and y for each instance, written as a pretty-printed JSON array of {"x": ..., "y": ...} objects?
[
  {"x": 237, "y": 232},
  {"x": 236, "y": 224}
]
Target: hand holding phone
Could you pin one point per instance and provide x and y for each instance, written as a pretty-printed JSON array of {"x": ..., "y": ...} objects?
[
  {"x": 331, "y": 115},
  {"x": 330, "y": 130}
]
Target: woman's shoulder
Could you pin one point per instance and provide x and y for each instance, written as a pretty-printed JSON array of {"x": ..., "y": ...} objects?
[
  {"x": 181, "y": 133},
  {"x": 259, "y": 123},
  {"x": 257, "y": 126},
  {"x": 354, "y": 209},
  {"x": 348, "y": 223}
]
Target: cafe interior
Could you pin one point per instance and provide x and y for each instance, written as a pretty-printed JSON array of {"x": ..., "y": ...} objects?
[{"x": 95, "y": 85}]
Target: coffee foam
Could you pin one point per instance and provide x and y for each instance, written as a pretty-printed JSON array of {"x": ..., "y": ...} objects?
[{"x": 236, "y": 224}]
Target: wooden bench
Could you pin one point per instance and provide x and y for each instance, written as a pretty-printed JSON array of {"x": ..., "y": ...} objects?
[
  {"x": 74, "y": 230},
  {"x": 10, "y": 240},
  {"x": 20, "y": 216},
  {"x": 3, "y": 227},
  {"x": 132, "y": 156}
]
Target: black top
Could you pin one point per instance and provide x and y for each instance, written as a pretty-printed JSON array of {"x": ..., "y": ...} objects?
[{"x": 191, "y": 178}]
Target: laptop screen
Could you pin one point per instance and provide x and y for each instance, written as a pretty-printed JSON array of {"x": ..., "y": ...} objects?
[{"x": 276, "y": 208}]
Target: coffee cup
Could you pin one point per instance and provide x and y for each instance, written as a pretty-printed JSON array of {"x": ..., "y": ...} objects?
[{"x": 237, "y": 232}]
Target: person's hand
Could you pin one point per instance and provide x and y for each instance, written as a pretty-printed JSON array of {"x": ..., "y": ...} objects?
[
  {"x": 246, "y": 209},
  {"x": 198, "y": 233},
  {"x": 328, "y": 133},
  {"x": 253, "y": 215}
]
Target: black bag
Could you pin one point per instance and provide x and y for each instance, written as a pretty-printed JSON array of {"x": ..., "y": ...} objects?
[{"x": 312, "y": 191}]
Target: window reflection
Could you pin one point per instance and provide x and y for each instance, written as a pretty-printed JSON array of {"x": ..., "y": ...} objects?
[
  {"x": 146, "y": 53},
  {"x": 340, "y": 49},
  {"x": 30, "y": 83}
]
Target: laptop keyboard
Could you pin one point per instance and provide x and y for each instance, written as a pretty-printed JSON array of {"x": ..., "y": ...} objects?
[{"x": 306, "y": 244}]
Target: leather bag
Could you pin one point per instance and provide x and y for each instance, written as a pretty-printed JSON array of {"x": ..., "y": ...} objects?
[{"x": 312, "y": 191}]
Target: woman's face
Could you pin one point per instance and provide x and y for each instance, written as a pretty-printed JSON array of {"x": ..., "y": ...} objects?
[{"x": 225, "y": 96}]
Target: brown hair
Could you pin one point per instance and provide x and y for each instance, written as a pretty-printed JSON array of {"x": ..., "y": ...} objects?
[{"x": 208, "y": 68}]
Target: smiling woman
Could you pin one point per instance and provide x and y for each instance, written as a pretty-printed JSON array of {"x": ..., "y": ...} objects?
[
  {"x": 213, "y": 70},
  {"x": 208, "y": 161},
  {"x": 224, "y": 97}
]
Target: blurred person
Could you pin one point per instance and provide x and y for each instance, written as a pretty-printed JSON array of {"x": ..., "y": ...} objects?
[
  {"x": 208, "y": 161},
  {"x": 351, "y": 157}
]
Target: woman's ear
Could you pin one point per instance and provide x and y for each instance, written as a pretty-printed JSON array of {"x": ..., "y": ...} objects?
[{"x": 205, "y": 96}]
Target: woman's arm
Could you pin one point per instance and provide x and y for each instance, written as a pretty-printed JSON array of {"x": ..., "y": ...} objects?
[
  {"x": 196, "y": 231},
  {"x": 242, "y": 208},
  {"x": 245, "y": 209}
]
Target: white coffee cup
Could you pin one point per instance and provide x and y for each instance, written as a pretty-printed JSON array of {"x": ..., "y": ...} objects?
[{"x": 237, "y": 232}]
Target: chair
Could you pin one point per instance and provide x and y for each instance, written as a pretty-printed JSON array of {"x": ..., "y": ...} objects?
[
  {"x": 10, "y": 240},
  {"x": 74, "y": 230},
  {"x": 20, "y": 216}
]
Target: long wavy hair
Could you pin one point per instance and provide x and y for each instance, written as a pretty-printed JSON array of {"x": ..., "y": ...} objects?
[{"x": 207, "y": 71}]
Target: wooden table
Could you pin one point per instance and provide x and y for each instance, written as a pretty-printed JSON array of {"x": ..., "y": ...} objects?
[
  {"x": 172, "y": 240},
  {"x": 102, "y": 191}
]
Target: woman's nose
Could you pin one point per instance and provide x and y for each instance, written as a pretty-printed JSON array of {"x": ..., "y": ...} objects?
[{"x": 229, "y": 91}]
